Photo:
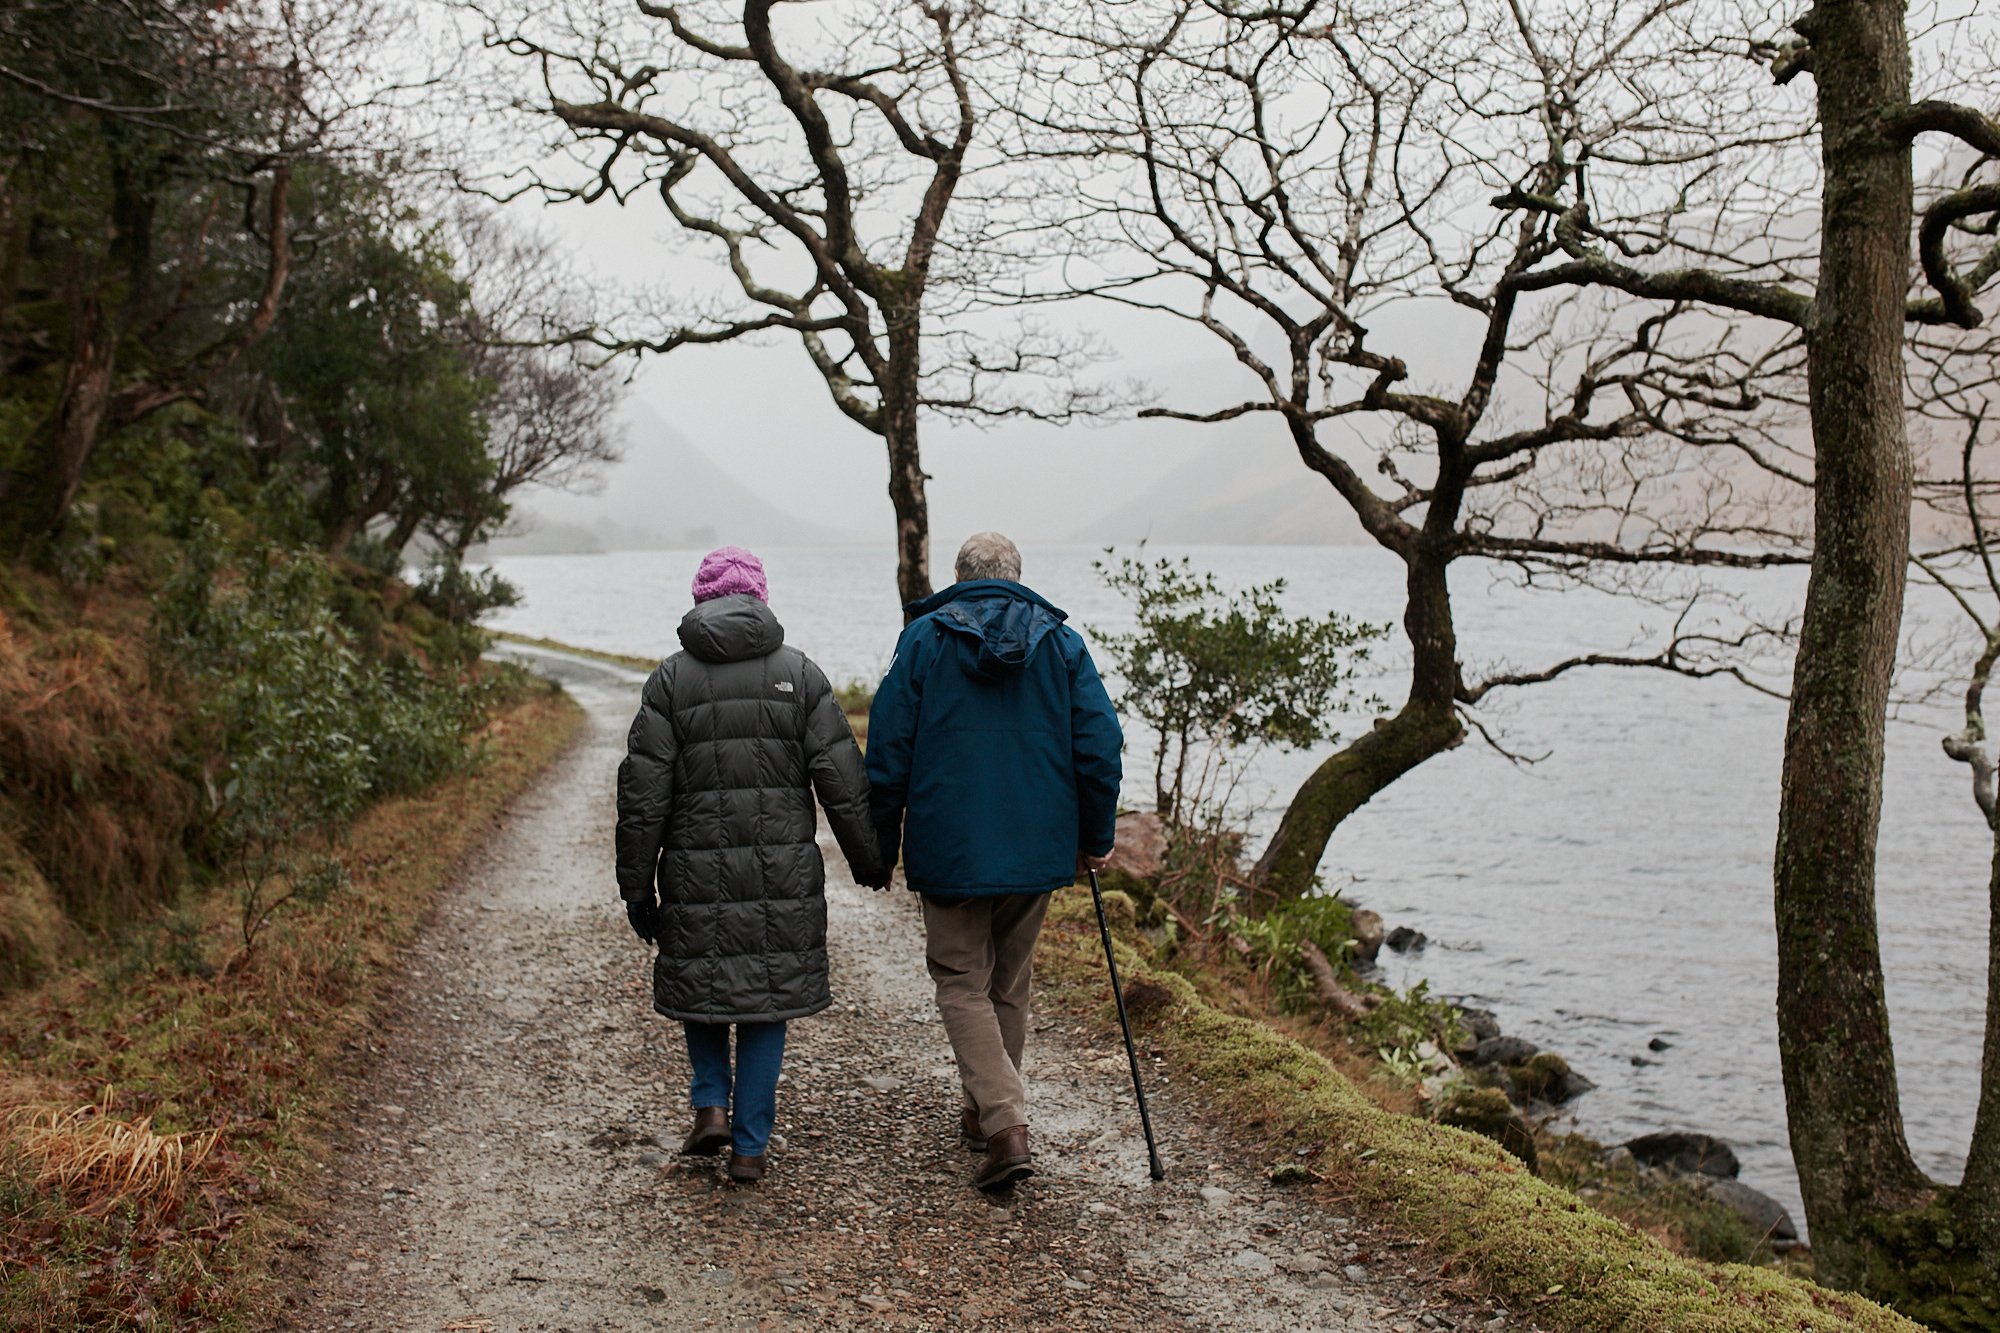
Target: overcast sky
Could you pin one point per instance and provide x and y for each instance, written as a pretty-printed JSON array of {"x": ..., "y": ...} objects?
[{"x": 761, "y": 412}]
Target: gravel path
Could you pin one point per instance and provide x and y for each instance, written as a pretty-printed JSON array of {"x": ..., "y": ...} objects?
[{"x": 510, "y": 1163}]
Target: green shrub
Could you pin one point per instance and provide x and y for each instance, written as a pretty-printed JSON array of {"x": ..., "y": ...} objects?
[
  {"x": 302, "y": 728},
  {"x": 1216, "y": 674},
  {"x": 1275, "y": 939},
  {"x": 855, "y": 696},
  {"x": 461, "y": 596},
  {"x": 1404, "y": 1022}
]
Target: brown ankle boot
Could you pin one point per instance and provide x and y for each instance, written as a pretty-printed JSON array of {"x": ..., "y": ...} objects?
[
  {"x": 1006, "y": 1159},
  {"x": 746, "y": 1170},
  {"x": 710, "y": 1134},
  {"x": 969, "y": 1131}
]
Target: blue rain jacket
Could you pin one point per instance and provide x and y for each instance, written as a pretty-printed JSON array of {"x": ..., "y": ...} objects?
[{"x": 993, "y": 749}]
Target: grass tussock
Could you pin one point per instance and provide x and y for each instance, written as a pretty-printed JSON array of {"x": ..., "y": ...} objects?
[
  {"x": 99, "y": 1161},
  {"x": 1535, "y": 1246},
  {"x": 169, "y": 1210}
]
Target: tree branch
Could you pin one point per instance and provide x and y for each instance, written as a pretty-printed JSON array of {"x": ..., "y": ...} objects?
[
  {"x": 1769, "y": 300},
  {"x": 1670, "y": 658},
  {"x": 1973, "y": 127},
  {"x": 1954, "y": 301}
]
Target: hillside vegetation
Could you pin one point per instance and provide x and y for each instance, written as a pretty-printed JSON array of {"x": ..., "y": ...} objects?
[{"x": 250, "y": 370}]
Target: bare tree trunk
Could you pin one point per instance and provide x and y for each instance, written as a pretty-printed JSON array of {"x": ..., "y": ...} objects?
[
  {"x": 1833, "y": 1022},
  {"x": 1327, "y": 983},
  {"x": 405, "y": 530},
  {"x": 348, "y": 524},
  {"x": 46, "y": 492},
  {"x": 80, "y": 411},
  {"x": 913, "y": 521},
  {"x": 1427, "y": 725},
  {"x": 341, "y": 535},
  {"x": 1979, "y": 1194},
  {"x": 906, "y": 469}
]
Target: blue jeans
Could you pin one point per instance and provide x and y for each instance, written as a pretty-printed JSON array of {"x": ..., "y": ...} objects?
[{"x": 760, "y": 1050}]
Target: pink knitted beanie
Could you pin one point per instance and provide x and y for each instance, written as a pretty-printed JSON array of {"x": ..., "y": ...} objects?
[{"x": 727, "y": 571}]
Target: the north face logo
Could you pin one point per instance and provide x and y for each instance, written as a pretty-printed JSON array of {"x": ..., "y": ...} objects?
[{"x": 785, "y": 685}]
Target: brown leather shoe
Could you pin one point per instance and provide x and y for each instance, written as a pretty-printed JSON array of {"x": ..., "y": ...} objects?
[
  {"x": 1006, "y": 1159},
  {"x": 969, "y": 1131},
  {"x": 710, "y": 1134},
  {"x": 746, "y": 1170}
]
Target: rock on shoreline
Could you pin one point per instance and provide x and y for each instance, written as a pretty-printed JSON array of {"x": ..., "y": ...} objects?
[
  {"x": 1508, "y": 1072},
  {"x": 1708, "y": 1166},
  {"x": 1684, "y": 1153}
]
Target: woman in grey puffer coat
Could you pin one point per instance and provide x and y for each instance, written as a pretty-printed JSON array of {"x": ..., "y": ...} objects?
[{"x": 735, "y": 735}]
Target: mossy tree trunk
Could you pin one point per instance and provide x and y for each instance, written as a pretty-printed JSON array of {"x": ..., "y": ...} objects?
[
  {"x": 1846, "y": 1124},
  {"x": 74, "y": 426},
  {"x": 1425, "y": 726}
]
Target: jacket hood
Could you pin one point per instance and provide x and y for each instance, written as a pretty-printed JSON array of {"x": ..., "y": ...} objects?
[
  {"x": 731, "y": 629},
  {"x": 1008, "y": 621}
]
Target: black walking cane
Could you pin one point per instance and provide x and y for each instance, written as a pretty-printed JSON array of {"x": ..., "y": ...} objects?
[{"x": 1138, "y": 1089}]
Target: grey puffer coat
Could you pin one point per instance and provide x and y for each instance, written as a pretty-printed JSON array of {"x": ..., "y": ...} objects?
[{"x": 715, "y": 808}]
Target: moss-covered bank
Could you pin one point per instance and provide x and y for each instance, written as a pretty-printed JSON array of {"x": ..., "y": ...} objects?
[{"x": 1536, "y": 1246}]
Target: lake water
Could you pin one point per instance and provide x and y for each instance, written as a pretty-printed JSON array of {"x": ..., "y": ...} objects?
[{"x": 1615, "y": 892}]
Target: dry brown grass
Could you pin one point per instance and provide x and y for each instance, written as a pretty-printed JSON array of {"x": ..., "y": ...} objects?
[
  {"x": 87, "y": 751},
  {"x": 100, "y": 1161}
]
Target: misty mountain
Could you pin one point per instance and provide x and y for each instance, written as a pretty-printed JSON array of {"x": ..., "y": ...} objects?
[
  {"x": 665, "y": 494},
  {"x": 1230, "y": 495}
]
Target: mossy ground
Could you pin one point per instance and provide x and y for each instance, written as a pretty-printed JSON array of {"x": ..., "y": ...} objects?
[
  {"x": 181, "y": 1030},
  {"x": 1669, "y": 1210},
  {"x": 1262, "y": 978},
  {"x": 594, "y": 654},
  {"x": 1533, "y": 1244}
]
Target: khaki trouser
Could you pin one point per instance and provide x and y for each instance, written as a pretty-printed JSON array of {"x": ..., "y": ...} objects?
[{"x": 981, "y": 954}]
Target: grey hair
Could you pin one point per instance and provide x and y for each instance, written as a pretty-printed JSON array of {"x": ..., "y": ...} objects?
[{"x": 988, "y": 555}]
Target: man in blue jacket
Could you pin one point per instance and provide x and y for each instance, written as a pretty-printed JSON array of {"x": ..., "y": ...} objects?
[{"x": 993, "y": 757}]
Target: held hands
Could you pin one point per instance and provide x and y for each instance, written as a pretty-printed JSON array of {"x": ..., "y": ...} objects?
[
  {"x": 644, "y": 914},
  {"x": 877, "y": 880}
]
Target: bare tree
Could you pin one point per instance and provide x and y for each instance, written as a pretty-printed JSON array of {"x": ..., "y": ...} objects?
[
  {"x": 1852, "y": 306},
  {"x": 550, "y": 410},
  {"x": 828, "y": 164},
  {"x": 1956, "y": 392},
  {"x": 1303, "y": 169},
  {"x": 1283, "y": 181}
]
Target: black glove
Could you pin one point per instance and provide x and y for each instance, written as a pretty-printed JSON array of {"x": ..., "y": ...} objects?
[
  {"x": 644, "y": 914},
  {"x": 877, "y": 880}
]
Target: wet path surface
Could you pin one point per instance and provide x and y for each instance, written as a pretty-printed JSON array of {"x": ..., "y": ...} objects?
[{"x": 511, "y": 1160}]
